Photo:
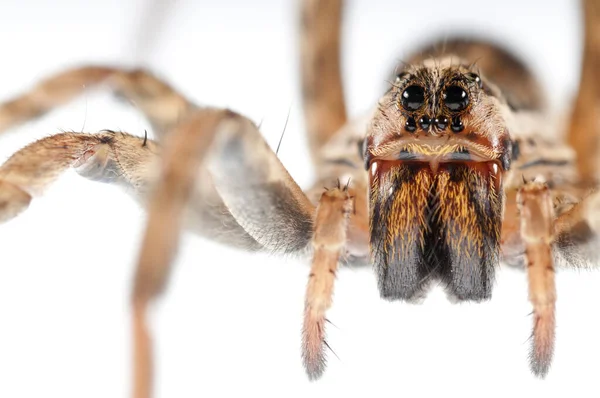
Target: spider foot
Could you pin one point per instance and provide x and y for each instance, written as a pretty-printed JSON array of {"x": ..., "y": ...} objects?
[
  {"x": 313, "y": 345},
  {"x": 542, "y": 344}
]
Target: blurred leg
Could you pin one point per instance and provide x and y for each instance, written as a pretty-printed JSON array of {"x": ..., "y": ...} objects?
[
  {"x": 163, "y": 106},
  {"x": 322, "y": 91},
  {"x": 257, "y": 190},
  {"x": 584, "y": 134}
]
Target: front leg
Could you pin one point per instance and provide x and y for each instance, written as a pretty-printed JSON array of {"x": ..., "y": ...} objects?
[
  {"x": 329, "y": 243},
  {"x": 537, "y": 218}
]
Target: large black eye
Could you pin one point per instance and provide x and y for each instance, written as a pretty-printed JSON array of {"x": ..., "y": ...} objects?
[
  {"x": 455, "y": 98},
  {"x": 413, "y": 98}
]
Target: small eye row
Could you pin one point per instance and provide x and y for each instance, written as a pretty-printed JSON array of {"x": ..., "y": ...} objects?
[
  {"x": 455, "y": 98},
  {"x": 441, "y": 122}
]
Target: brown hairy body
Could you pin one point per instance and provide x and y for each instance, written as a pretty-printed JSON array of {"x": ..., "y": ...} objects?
[{"x": 433, "y": 184}]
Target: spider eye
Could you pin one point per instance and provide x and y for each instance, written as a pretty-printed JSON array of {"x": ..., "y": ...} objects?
[
  {"x": 475, "y": 77},
  {"x": 455, "y": 98},
  {"x": 413, "y": 97}
]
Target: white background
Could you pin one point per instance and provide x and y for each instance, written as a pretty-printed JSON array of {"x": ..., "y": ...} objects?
[{"x": 230, "y": 322}]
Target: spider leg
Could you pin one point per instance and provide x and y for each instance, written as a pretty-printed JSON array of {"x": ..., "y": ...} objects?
[
  {"x": 587, "y": 211},
  {"x": 258, "y": 190},
  {"x": 537, "y": 217},
  {"x": 115, "y": 158},
  {"x": 107, "y": 156},
  {"x": 578, "y": 230},
  {"x": 328, "y": 241},
  {"x": 332, "y": 141},
  {"x": 183, "y": 157},
  {"x": 585, "y": 128},
  {"x": 261, "y": 205},
  {"x": 163, "y": 106},
  {"x": 323, "y": 95},
  {"x": 253, "y": 184}
]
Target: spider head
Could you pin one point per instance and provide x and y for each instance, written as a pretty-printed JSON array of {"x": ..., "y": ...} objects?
[
  {"x": 440, "y": 104},
  {"x": 436, "y": 152}
]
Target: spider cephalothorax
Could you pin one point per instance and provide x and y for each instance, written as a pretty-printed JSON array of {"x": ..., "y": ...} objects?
[{"x": 436, "y": 152}]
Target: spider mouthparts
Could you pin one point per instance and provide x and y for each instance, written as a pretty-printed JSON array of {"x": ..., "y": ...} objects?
[
  {"x": 434, "y": 164},
  {"x": 435, "y": 220}
]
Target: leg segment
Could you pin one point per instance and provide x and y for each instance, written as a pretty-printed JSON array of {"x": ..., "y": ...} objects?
[
  {"x": 323, "y": 95},
  {"x": 254, "y": 186},
  {"x": 587, "y": 211},
  {"x": 115, "y": 158},
  {"x": 329, "y": 241},
  {"x": 183, "y": 158},
  {"x": 107, "y": 156},
  {"x": 584, "y": 133},
  {"x": 537, "y": 217},
  {"x": 163, "y": 106},
  {"x": 258, "y": 191}
]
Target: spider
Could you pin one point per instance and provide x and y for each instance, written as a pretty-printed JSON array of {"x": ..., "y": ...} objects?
[{"x": 109, "y": 139}]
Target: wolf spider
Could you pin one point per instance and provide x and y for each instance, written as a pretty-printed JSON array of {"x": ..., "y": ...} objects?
[{"x": 457, "y": 178}]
